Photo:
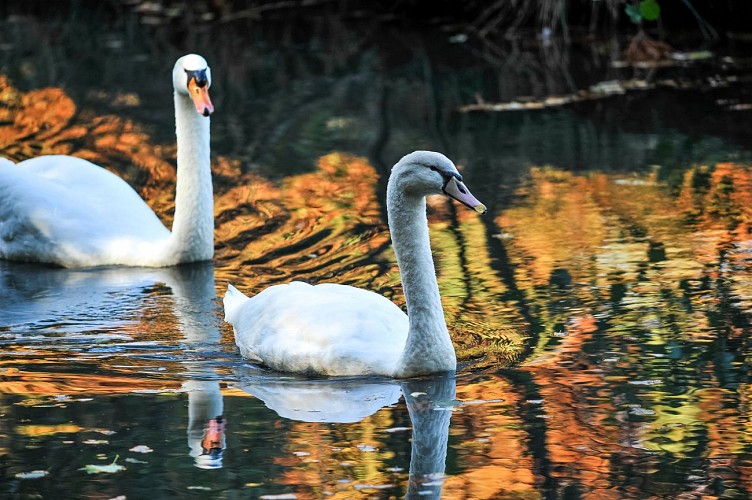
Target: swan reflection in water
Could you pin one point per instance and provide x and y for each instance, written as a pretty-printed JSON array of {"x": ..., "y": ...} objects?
[
  {"x": 36, "y": 297},
  {"x": 206, "y": 423},
  {"x": 198, "y": 317},
  {"x": 104, "y": 300},
  {"x": 428, "y": 399}
]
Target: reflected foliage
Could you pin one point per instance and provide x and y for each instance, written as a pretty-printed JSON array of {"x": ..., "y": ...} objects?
[
  {"x": 625, "y": 298},
  {"x": 601, "y": 311}
]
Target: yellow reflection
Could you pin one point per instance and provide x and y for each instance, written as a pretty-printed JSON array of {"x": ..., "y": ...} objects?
[
  {"x": 493, "y": 456},
  {"x": 575, "y": 238},
  {"x": 322, "y": 226},
  {"x": 47, "y": 430},
  {"x": 336, "y": 461},
  {"x": 484, "y": 323},
  {"x": 638, "y": 269}
]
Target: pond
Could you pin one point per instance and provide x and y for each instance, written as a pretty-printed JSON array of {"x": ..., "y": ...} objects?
[{"x": 600, "y": 310}]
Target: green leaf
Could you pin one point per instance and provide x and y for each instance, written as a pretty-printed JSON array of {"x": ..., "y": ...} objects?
[
  {"x": 633, "y": 11},
  {"x": 650, "y": 10}
]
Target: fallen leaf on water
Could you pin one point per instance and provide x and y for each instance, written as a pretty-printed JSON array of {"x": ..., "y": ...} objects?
[
  {"x": 360, "y": 487},
  {"x": 142, "y": 448},
  {"x": 109, "y": 468},
  {"x": 397, "y": 429},
  {"x": 32, "y": 475},
  {"x": 645, "y": 382}
]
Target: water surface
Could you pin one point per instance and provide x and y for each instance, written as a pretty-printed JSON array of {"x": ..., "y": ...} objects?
[{"x": 600, "y": 310}]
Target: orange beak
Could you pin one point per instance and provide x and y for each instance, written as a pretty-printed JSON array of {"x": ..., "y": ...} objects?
[{"x": 200, "y": 96}]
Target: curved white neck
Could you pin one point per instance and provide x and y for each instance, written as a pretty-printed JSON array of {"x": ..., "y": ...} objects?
[
  {"x": 429, "y": 348},
  {"x": 193, "y": 227}
]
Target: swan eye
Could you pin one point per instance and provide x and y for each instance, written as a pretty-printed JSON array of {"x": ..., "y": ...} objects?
[
  {"x": 432, "y": 167},
  {"x": 198, "y": 75}
]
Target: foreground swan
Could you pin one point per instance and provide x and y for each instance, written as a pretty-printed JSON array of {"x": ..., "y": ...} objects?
[
  {"x": 67, "y": 211},
  {"x": 333, "y": 329}
]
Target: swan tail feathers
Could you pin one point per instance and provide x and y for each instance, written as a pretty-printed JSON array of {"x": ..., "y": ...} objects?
[{"x": 233, "y": 299}]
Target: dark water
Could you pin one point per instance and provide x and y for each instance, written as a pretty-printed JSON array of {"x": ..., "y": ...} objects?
[{"x": 600, "y": 310}]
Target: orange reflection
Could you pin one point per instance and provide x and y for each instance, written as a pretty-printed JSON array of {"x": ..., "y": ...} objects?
[
  {"x": 494, "y": 457},
  {"x": 636, "y": 269},
  {"x": 322, "y": 226},
  {"x": 599, "y": 259},
  {"x": 51, "y": 383},
  {"x": 583, "y": 235},
  {"x": 36, "y": 122}
]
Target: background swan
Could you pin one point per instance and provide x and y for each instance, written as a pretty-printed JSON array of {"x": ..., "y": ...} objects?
[
  {"x": 67, "y": 211},
  {"x": 331, "y": 329}
]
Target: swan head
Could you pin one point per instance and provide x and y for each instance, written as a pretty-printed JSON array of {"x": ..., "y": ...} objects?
[
  {"x": 191, "y": 77},
  {"x": 427, "y": 172}
]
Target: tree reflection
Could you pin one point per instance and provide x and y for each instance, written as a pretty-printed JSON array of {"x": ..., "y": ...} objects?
[
  {"x": 632, "y": 282},
  {"x": 624, "y": 299}
]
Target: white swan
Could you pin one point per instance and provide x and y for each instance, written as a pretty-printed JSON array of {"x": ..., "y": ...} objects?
[
  {"x": 67, "y": 211},
  {"x": 338, "y": 330}
]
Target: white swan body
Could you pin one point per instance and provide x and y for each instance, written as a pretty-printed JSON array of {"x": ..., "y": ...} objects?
[
  {"x": 321, "y": 329},
  {"x": 340, "y": 330},
  {"x": 67, "y": 211}
]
